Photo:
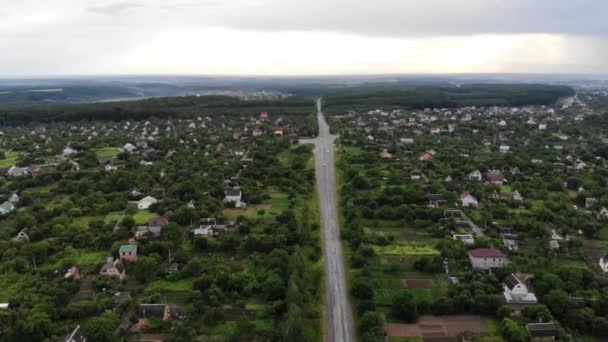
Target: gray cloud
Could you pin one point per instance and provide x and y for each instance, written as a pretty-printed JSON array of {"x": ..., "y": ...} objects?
[{"x": 404, "y": 18}]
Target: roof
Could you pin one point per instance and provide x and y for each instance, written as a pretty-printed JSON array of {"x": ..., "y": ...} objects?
[
  {"x": 486, "y": 253},
  {"x": 158, "y": 222},
  {"x": 542, "y": 329},
  {"x": 233, "y": 192},
  {"x": 127, "y": 249},
  {"x": 511, "y": 281},
  {"x": 151, "y": 310}
]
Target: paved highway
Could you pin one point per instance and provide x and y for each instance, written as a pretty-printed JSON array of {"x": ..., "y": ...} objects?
[{"x": 339, "y": 325}]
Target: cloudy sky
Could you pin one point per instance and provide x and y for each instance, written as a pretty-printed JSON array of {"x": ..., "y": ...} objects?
[{"x": 300, "y": 37}]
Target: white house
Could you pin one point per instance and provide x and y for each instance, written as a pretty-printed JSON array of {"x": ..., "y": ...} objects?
[
  {"x": 516, "y": 292},
  {"x": 542, "y": 126},
  {"x": 16, "y": 171},
  {"x": 487, "y": 258},
  {"x": 476, "y": 175},
  {"x": 130, "y": 148},
  {"x": 604, "y": 263},
  {"x": 235, "y": 196},
  {"x": 504, "y": 148},
  {"x": 467, "y": 239},
  {"x": 468, "y": 200},
  {"x": 516, "y": 196},
  {"x": 146, "y": 202},
  {"x": 6, "y": 207},
  {"x": 68, "y": 151}
]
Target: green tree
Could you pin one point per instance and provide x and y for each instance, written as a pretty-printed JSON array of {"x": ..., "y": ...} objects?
[
  {"x": 146, "y": 268},
  {"x": 512, "y": 331},
  {"x": 404, "y": 307},
  {"x": 101, "y": 328}
]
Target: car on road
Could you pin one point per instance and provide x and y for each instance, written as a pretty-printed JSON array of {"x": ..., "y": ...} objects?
[{"x": 324, "y": 164}]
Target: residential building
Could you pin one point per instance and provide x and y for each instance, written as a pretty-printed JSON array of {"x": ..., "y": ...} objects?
[
  {"x": 516, "y": 291},
  {"x": 487, "y": 258},
  {"x": 146, "y": 202},
  {"x": 128, "y": 252},
  {"x": 113, "y": 268},
  {"x": 468, "y": 200}
]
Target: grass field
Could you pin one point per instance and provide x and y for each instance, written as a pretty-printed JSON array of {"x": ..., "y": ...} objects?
[
  {"x": 9, "y": 160},
  {"x": 177, "y": 285},
  {"x": 106, "y": 152},
  {"x": 141, "y": 217},
  {"x": 405, "y": 250}
]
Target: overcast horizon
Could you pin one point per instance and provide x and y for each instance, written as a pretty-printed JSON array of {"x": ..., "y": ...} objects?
[{"x": 295, "y": 38}]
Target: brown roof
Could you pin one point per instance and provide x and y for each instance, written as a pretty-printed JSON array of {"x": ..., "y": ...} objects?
[{"x": 486, "y": 253}]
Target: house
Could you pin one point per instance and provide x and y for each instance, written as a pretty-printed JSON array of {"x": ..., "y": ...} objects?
[
  {"x": 468, "y": 200},
  {"x": 435, "y": 200},
  {"x": 516, "y": 196},
  {"x": 22, "y": 235},
  {"x": 128, "y": 252},
  {"x": 6, "y": 208},
  {"x": 542, "y": 126},
  {"x": 73, "y": 273},
  {"x": 590, "y": 202},
  {"x": 495, "y": 177},
  {"x": 542, "y": 331},
  {"x": 129, "y": 148},
  {"x": 68, "y": 151},
  {"x": 487, "y": 258},
  {"x": 504, "y": 148},
  {"x": 146, "y": 202},
  {"x": 16, "y": 171},
  {"x": 516, "y": 291},
  {"x": 425, "y": 157},
  {"x": 76, "y": 335},
  {"x": 467, "y": 239},
  {"x": 510, "y": 243},
  {"x": 113, "y": 268},
  {"x": 555, "y": 235},
  {"x": 386, "y": 154},
  {"x": 604, "y": 263},
  {"x": 160, "y": 311},
  {"x": 234, "y": 196},
  {"x": 475, "y": 175},
  {"x": 263, "y": 116},
  {"x": 153, "y": 228},
  {"x": 14, "y": 198},
  {"x": 603, "y": 214},
  {"x": 120, "y": 299}
]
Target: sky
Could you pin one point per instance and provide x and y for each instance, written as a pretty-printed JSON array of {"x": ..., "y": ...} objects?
[{"x": 297, "y": 37}]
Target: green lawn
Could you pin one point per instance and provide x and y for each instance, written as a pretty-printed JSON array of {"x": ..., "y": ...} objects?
[
  {"x": 9, "y": 160},
  {"x": 405, "y": 250},
  {"x": 141, "y": 217},
  {"x": 171, "y": 285},
  {"x": 106, "y": 152}
]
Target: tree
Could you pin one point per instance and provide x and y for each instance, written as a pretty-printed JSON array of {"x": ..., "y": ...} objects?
[
  {"x": 101, "y": 328},
  {"x": 146, "y": 268},
  {"x": 512, "y": 331},
  {"x": 404, "y": 307},
  {"x": 362, "y": 288},
  {"x": 371, "y": 326}
]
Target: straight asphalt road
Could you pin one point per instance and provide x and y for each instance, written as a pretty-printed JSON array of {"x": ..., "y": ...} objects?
[{"x": 339, "y": 324}]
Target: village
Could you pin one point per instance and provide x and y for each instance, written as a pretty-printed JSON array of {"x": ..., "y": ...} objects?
[
  {"x": 159, "y": 229},
  {"x": 476, "y": 223}
]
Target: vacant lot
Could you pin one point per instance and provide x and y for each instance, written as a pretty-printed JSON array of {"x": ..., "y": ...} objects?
[{"x": 437, "y": 326}]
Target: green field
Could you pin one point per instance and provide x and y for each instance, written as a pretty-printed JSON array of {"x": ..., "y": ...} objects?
[
  {"x": 106, "y": 152},
  {"x": 9, "y": 160},
  {"x": 405, "y": 250},
  {"x": 141, "y": 217}
]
